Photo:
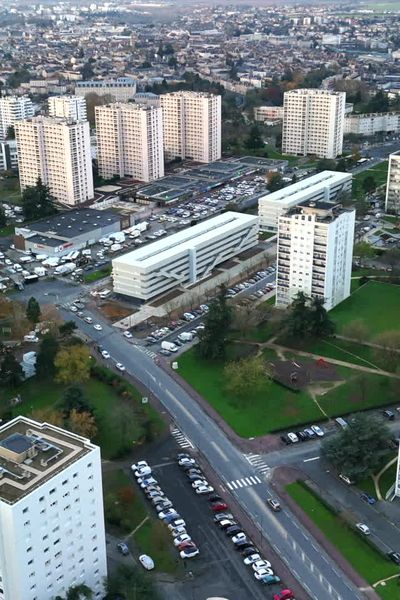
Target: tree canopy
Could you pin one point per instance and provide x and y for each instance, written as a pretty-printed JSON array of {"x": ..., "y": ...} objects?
[
  {"x": 11, "y": 373},
  {"x": 73, "y": 364},
  {"x": 45, "y": 357},
  {"x": 37, "y": 202},
  {"x": 308, "y": 317},
  {"x": 33, "y": 311},
  {"x": 245, "y": 376},
  {"x": 213, "y": 339},
  {"x": 359, "y": 450}
]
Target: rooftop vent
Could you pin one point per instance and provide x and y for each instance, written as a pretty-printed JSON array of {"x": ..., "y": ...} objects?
[{"x": 311, "y": 204}]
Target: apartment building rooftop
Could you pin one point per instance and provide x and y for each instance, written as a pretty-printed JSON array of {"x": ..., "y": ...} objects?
[
  {"x": 291, "y": 192},
  {"x": 32, "y": 453},
  {"x": 324, "y": 211}
]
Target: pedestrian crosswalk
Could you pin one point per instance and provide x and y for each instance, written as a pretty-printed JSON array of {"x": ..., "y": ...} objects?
[
  {"x": 146, "y": 351},
  {"x": 258, "y": 463},
  {"x": 181, "y": 439},
  {"x": 243, "y": 482}
]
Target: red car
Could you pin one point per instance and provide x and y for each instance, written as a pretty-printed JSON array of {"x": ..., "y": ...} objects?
[
  {"x": 218, "y": 506},
  {"x": 284, "y": 595},
  {"x": 186, "y": 545}
]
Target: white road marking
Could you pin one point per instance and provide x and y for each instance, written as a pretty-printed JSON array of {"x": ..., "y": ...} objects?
[
  {"x": 220, "y": 452},
  {"x": 244, "y": 482},
  {"x": 181, "y": 439},
  {"x": 310, "y": 459},
  {"x": 181, "y": 406}
]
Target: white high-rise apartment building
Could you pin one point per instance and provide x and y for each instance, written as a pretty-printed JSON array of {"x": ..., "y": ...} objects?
[
  {"x": 12, "y": 109},
  {"x": 314, "y": 253},
  {"x": 70, "y": 107},
  {"x": 58, "y": 151},
  {"x": 313, "y": 122},
  {"x": 392, "y": 203},
  {"x": 192, "y": 126},
  {"x": 51, "y": 512},
  {"x": 130, "y": 141}
]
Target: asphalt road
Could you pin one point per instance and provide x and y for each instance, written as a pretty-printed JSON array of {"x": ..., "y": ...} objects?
[
  {"x": 382, "y": 519},
  {"x": 316, "y": 572}
]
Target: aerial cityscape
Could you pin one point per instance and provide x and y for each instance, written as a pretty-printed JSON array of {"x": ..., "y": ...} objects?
[{"x": 200, "y": 295}]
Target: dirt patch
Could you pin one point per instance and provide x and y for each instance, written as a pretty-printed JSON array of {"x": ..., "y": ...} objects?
[
  {"x": 297, "y": 374},
  {"x": 115, "y": 311}
]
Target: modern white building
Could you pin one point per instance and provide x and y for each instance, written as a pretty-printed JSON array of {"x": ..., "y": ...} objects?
[
  {"x": 313, "y": 122},
  {"x": 314, "y": 253},
  {"x": 58, "y": 151},
  {"x": 8, "y": 156},
  {"x": 392, "y": 203},
  {"x": 268, "y": 113},
  {"x": 121, "y": 89},
  {"x": 51, "y": 512},
  {"x": 372, "y": 123},
  {"x": 70, "y": 107},
  {"x": 130, "y": 141},
  {"x": 184, "y": 258},
  {"x": 192, "y": 126},
  {"x": 327, "y": 186},
  {"x": 12, "y": 109}
]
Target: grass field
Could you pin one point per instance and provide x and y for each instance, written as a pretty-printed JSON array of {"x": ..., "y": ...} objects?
[
  {"x": 375, "y": 303},
  {"x": 10, "y": 190},
  {"x": 43, "y": 394},
  {"x": 379, "y": 172},
  {"x": 365, "y": 559},
  {"x": 100, "y": 274},
  {"x": 273, "y": 407}
]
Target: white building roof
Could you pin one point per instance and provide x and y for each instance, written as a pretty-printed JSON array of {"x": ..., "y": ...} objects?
[
  {"x": 293, "y": 194},
  {"x": 189, "y": 238}
]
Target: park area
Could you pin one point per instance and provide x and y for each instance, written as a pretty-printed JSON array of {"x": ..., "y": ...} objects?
[
  {"x": 363, "y": 557},
  {"x": 376, "y": 303},
  {"x": 379, "y": 174}
]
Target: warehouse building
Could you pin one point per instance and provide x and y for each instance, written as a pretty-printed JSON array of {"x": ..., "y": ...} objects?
[
  {"x": 326, "y": 186},
  {"x": 184, "y": 258},
  {"x": 73, "y": 230}
]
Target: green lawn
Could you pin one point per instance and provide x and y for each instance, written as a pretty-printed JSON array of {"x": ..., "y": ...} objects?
[
  {"x": 375, "y": 303},
  {"x": 100, "y": 274},
  {"x": 275, "y": 154},
  {"x": 379, "y": 172},
  {"x": 273, "y": 407},
  {"x": 270, "y": 409},
  {"x": 266, "y": 235},
  {"x": 43, "y": 394},
  {"x": 385, "y": 482},
  {"x": 365, "y": 559},
  {"x": 10, "y": 191}
]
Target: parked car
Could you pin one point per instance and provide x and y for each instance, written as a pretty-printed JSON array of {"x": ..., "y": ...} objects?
[
  {"x": 185, "y": 461},
  {"x": 367, "y": 498},
  {"x": 105, "y": 354},
  {"x": 270, "y": 579},
  {"x": 221, "y": 516},
  {"x": 142, "y": 472},
  {"x": 346, "y": 479},
  {"x": 233, "y": 530},
  {"x": 189, "y": 552},
  {"x": 180, "y": 539},
  {"x": 146, "y": 562},
  {"x": 239, "y": 538},
  {"x": 169, "y": 514},
  {"x": 395, "y": 557},
  {"x": 261, "y": 564},
  {"x": 318, "y": 430},
  {"x": 123, "y": 548},
  {"x": 176, "y": 523},
  {"x": 285, "y": 594},
  {"x": 128, "y": 335},
  {"x": 219, "y": 506},
  {"x": 249, "y": 550},
  {"x": 204, "y": 489},
  {"x": 139, "y": 465},
  {"x": 389, "y": 414},
  {"x": 178, "y": 531},
  {"x": 263, "y": 573},
  {"x": 249, "y": 560}
]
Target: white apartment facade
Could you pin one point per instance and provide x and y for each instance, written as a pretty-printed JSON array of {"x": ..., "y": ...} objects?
[
  {"x": 184, "y": 258},
  {"x": 192, "y": 126},
  {"x": 327, "y": 186},
  {"x": 313, "y": 122},
  {"x": 130, "y": 141},
  {"x": 314, "y": 253},
  {"x": 51, "y": 512},
  {"x": 12, "y": 109},
  {"x": 392, "y": 201},
  {"x": 268, "y": 113},
  {"x": 8, "y": 156},
  {"x": 121, "y": 89},
  {"x": 70, "y": 107},
  {"x": 372, "y": 123},
  {"x": 58, "y": 151}
]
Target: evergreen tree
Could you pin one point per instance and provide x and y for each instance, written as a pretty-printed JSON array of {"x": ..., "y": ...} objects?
[
  {"x": 37, "y": 201},
  {"x": 11, "y": 373},
  {"x": 213, "y": 339},
  {"x": 320, "y": 323},
  {"x": 3, "y": 218},
  {"x": 254, "y": 139},
  {"x": 33, "y": 311},
  {"x": 45, "y": 358},
  {"x": 298, "y": 322}
]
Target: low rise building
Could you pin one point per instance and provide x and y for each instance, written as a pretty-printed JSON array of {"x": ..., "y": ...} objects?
[
  {"x": 184, "y": 258},
  {"x": 372, "y": 123},
  {"x": 121, "y": 89},
  {"x": 73, "y": 230},
  {"x": 392, "y": 202},
  {"x": 314, "y": 253},
  {"x": 327, "y": 186},
  {"x": 51, "y": 512},
  {"x": 268, "y": 113}
]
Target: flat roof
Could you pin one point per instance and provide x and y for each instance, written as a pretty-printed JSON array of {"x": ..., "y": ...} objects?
[
  {"x": 294, "y": 193},
  {"x": 184, "y": 240},
  {"x": 31, "y": 453},
  {"x": 76, "y": 222}
]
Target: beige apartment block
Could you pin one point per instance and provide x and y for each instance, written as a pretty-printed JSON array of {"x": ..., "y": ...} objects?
[
  {"x": 192, "y": 126},
  {"x": 58, "y": 151}
]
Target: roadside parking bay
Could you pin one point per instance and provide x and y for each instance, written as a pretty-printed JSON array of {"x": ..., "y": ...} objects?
[{"x": 219, "y": 569}]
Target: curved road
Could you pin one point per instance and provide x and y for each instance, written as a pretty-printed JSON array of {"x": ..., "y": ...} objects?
[{"x": 308, "y": 562}]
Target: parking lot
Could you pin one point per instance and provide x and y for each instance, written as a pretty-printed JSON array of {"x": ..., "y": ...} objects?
[{"x": 219, "y": 569}]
